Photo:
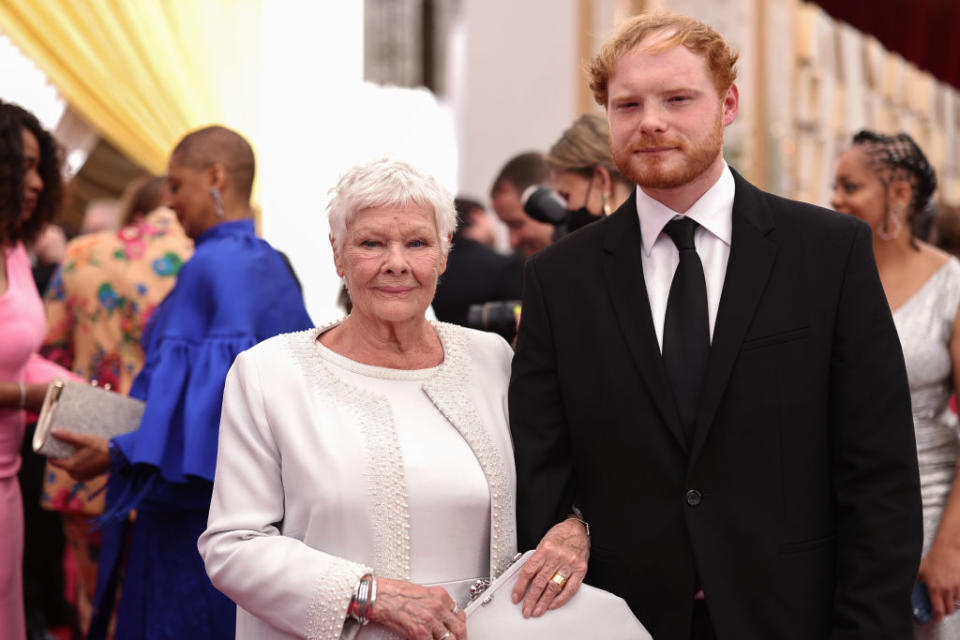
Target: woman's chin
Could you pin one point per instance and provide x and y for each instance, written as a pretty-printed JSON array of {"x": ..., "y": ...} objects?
[{"x": 398, "y": 311}]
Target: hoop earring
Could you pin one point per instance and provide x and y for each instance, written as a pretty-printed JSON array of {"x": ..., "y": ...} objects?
[
  {"x": 892, "y": 215},
  {"x": 217, "y": 201}
]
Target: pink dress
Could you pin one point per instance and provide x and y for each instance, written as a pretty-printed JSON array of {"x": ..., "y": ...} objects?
[{"x": 22, "y": 329}]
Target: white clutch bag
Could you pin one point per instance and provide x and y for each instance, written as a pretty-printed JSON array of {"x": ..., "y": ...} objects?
[
  {"x": 80, "y": 407},
  {"x": 590, "y": 613}
]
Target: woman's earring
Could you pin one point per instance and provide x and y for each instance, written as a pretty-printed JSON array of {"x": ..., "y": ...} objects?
[
  {"x": 217, "y": 201},
  {"x": 605, "y": 205},
  {"x": 893, "y": 216}
]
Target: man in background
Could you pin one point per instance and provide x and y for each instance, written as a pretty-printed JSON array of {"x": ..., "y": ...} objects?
[
  {"x": 520, "y": 172},
  {"x": 475, "y": 272}
]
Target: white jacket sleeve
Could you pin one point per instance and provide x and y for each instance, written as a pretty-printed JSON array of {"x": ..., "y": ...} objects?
[{"x": 279, "y": 579}]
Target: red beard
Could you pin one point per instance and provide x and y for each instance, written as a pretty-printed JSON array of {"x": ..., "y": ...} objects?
[{"x": 671, "y": 169}]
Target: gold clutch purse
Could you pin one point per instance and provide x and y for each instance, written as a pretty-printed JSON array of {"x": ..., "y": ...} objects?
[{"x": 82, "y": 408}]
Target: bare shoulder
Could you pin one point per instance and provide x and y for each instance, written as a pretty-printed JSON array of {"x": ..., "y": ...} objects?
[{"x": 933, "y": 257}]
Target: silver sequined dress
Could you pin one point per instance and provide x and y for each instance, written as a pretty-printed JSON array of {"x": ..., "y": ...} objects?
[{"x": 925, "y": 324}]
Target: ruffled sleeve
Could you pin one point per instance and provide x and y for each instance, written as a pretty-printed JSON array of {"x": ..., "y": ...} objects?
[
  {"x": 277, "y": 578},
  {"x": 233, "y": 293},
  {"x": 183, "y": 393}
]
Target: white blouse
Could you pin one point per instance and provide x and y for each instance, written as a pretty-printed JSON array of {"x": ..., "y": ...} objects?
[
  {"x": 328, "y": 469},
  {"x": 447, "y": 495}
]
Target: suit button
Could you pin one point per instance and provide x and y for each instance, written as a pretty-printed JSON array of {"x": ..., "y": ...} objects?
[{"x": 693, "y": 497}]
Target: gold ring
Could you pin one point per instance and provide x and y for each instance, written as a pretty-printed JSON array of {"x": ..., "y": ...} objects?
[{"x": 559, "y": 579}]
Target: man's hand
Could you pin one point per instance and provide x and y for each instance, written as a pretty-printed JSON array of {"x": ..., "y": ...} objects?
[
  {"x": 940, "y": 571},
  {"x": 554, "y": 573},
  {"x": 91, "y": 458}
]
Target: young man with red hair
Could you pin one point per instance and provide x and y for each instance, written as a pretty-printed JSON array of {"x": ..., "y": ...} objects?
[{"x": 711, "y": 378}]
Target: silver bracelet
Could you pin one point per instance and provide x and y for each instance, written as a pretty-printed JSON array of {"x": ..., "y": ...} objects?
[
  {"x": 363, "y": 599},
  {"x": 23, "y": 394}
]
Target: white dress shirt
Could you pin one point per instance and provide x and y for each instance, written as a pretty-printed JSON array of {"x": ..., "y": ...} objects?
[{"x": 714, "y": 213}]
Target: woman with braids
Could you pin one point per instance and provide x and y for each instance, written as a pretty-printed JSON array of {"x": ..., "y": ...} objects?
[
  {"x": 887, "y": 182},
  {"x": 29, "y": 199}
]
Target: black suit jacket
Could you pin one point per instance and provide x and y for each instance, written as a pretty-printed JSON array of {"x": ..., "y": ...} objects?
[
  {"x": 475, "y": 274},
  {"x": 798, "y": 502}
]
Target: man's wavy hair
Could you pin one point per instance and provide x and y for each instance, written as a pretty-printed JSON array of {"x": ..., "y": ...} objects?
[
  {"x": 13, "y": 120},
  {"x": 678, "y": 30}
]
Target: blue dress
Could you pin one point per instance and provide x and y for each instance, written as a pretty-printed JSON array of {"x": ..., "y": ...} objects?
[{"x": 233, "y": 293}]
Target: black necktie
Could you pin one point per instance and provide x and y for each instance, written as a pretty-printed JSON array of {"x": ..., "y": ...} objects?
[{"x": 686, "y": 329}]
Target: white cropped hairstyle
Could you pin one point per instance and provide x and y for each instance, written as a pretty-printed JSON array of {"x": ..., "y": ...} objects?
[{"x": 387, "y": 182}]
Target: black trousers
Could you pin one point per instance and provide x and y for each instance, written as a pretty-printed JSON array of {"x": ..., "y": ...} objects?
[{"x": 701, "y": 628}]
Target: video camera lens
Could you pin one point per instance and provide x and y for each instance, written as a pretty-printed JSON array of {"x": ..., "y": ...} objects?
[
  {"x": 498, "y": 317},
  {"x": 543, "y": 204}
]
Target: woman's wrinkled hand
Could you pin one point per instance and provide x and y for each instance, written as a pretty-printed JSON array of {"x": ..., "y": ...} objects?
[
  {"x": 940, "y": 571},
  {"x": 553, "y": 574},
  {"x": 91, "y": 458},
  {"x": 417, "y": 612}
]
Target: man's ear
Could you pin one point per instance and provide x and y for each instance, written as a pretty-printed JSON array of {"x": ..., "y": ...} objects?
[{"x": 730, "y": 105}]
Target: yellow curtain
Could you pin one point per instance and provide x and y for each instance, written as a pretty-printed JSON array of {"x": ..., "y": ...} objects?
[{"x": 144, "y": 72}]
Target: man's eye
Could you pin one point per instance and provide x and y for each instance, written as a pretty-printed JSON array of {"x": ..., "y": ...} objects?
[{"x": 678, "y": 99}]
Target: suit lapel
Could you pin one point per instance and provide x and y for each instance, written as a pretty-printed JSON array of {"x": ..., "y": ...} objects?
[
  {"x": 623, "y": 272},
  {"x": 748, "y": 269}
]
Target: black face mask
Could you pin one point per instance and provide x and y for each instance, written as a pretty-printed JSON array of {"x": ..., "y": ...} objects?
[{"x": 581, "y": 217}]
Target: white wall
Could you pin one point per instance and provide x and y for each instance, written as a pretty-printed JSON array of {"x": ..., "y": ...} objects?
[
  {"x": 318, "y": 119},
  {"x": 311, "y": 67},
  {"x": 26, "y": 85},
  {"x": 517, "y": 86}
]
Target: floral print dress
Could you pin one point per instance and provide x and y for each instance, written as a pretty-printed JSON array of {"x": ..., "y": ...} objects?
[{"x": 97, "y": 306}]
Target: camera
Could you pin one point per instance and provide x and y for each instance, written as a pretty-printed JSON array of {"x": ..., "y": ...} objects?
[
  {"x": 544, "y": 205},
  {"x": 499, "y": 317}
]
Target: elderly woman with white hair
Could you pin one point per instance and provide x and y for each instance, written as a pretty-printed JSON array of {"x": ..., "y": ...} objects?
[{"x": 365, "y": 469}]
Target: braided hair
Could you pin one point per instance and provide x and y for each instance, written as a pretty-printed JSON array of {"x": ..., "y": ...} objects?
[
  {"x": 13, "y": 120},
  {"x": 897, "y": 157}
]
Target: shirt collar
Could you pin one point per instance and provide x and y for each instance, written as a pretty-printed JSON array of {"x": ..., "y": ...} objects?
[
  {"x": 713, "y": 211},
  {"x": 242, "y": 227}
]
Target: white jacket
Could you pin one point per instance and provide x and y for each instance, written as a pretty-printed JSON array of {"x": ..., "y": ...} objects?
[{"x": 309, "y": 492}]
